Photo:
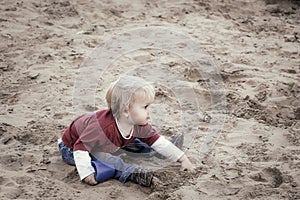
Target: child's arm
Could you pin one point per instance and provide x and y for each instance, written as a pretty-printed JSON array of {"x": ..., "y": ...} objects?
[
  {"x": 169, "y": 150},
  {"x": 84, "y": 167}
]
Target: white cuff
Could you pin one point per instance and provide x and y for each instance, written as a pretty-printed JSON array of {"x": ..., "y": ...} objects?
[
  {"x": 167, "y": 149},
  {"x": 83, "y": 163}
]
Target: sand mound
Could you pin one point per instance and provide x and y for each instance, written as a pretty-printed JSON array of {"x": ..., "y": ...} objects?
[{"x": 255, "y": 44}]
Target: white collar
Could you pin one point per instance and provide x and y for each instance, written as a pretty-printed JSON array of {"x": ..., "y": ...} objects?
[{"x": 129, "y": 136}]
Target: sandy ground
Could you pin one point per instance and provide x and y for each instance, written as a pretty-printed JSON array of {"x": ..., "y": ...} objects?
[{"x": 255, "y": 44}]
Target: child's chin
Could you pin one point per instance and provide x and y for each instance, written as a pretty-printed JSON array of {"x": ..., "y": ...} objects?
[{"x": 144, "y": 123}]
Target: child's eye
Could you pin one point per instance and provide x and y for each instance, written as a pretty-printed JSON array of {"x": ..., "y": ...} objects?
[{"x": 146, "y": 106}]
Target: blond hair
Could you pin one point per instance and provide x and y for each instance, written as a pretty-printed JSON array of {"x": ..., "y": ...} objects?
[{"x": 122, "y": 93}]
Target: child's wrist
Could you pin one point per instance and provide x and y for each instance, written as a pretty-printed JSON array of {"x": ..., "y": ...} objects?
[{"x": 182, "y": 158}]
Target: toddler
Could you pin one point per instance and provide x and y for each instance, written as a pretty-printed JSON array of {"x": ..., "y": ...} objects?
[{"x": 123, "y": 126}]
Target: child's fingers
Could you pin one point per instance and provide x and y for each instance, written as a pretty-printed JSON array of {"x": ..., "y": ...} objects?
[
  {"x": 191, "y": 169},
  {"x": 183, "y": 169},
  {"x": 90, "y": 180},
  {"x": 93, "y": 181}
]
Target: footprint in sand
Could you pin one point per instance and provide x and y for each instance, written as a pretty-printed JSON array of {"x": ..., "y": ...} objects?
[
  {"x": 269, "y": 175},
  {"x": 9, "y": 189}
]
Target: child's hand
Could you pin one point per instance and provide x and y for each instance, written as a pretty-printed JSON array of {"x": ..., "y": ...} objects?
[
  {"x": 90, "y": 179},
  {"x": 186, "y": 164}
]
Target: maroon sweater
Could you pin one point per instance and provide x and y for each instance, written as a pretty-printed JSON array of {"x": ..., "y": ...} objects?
[{"x": 98, "y": 132}]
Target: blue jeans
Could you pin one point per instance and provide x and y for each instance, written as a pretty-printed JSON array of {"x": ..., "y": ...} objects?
[{"x": 123, "y": 170}]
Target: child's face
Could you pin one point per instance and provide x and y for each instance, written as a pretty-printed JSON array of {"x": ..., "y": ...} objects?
[{"x": 139, "y": 112}]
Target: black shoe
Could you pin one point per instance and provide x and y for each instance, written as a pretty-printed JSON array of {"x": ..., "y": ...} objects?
[
  {"x": 142, "y": 177},
  {"x": 177, "y": 140}
]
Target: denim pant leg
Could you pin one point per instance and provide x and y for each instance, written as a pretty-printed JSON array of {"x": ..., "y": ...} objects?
[
  {"x": 123, "y": 170},
  {"x": 66, "y": 153},
  {"x": 137, "y": 148}
]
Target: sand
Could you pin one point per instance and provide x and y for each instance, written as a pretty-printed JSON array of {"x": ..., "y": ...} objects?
[{"x": 249, "y": 149}]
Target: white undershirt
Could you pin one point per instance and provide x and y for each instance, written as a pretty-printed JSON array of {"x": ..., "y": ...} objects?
[
  {"x": 83, "y": 163},
  {"x": 167, "y": 149},
  {"x": 123, "y": 135}
]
